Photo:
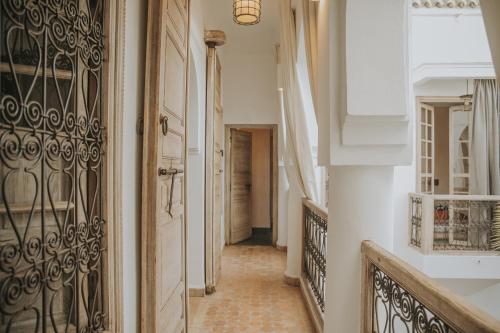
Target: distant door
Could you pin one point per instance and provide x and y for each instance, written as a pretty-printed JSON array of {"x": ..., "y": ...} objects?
[
  {"x": 426, "y": 149},
  {"x": 241, "y": 185},
  {"x": 163, "y": 297},
  {"x": 460, "y": 138},
  {"x": 214, "y": 172}
]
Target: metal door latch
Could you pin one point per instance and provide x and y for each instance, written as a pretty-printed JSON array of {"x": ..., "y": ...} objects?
[{"x": 170, "y": 172}]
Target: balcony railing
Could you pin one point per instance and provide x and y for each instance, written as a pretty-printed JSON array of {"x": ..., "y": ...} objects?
[
  {"x": 315, "y": 225},
  {"x": 398, "y": 298},
  {"x": 451, "y": 223}
]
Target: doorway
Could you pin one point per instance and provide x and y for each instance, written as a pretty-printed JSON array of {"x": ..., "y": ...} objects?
[
  {"x": 443, "y": 145},
  {"x": 251, "y": 184}
]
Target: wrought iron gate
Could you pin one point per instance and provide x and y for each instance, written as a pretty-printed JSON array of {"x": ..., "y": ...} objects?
[{"x": 51, "y": 157}]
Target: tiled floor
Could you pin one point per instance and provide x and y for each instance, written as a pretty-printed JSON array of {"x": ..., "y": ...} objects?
[{"x": 251, "y": 296}]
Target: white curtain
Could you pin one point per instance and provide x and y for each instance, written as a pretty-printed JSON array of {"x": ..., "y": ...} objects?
[
  {"x": 298, "y": 150},
  {"x": 485, "y": 143},
  {"x": 310, "y": 19}
]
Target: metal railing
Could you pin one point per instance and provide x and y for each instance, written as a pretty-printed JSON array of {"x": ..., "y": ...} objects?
[
  {"x": 398, "y": 298},
  {"x": 447, "y": 223},
  {"x": 315, "y": 221}
]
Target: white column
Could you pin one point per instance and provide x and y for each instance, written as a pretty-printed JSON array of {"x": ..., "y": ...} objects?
[
  {"x": 282, "y": 207},
  {"x": 294, "y": 232},
  {"x": 360, "y": 208}
]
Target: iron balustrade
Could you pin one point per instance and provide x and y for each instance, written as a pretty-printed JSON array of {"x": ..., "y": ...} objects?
[
  {"x": 445, "y": 223},
  {"x": 314, "y": 250},
  {"x": 396, "y": 297}
]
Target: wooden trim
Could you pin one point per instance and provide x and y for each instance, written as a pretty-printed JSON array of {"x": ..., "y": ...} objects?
[
  {"x": 114, "y": 99},
  {"x": 291, "y": 281},
  {"x": 274, "y": 183},
  {"x": 149, "y": 175},
  {"x": 283, "y": 248},
  {"x": 209, "y": 167},
  {"x": 227, "y": 177},
  {"x": 313, "y": 310},
  {"x": 196, "y": 292},
  {"x": 315, "y": 208},
  {"x": 213, "y": 38},
  {"x": 451, "y": 308}
]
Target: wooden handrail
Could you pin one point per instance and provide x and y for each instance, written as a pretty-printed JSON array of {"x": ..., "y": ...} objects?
[
  {"x": 321, "y": 212},
  {"x": 449, "y": 307}
]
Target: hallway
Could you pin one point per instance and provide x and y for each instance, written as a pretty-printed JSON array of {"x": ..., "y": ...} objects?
[{"x": 251, "y": 296}]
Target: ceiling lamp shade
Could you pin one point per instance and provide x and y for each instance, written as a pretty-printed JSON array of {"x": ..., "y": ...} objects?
[{"x": 246, "y": 12}]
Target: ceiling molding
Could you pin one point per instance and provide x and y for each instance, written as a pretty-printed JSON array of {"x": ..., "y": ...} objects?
[{"x": 445, "y": 3}]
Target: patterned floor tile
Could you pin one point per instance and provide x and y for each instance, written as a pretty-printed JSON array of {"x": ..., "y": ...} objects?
[{"x": 251, "y": 296}]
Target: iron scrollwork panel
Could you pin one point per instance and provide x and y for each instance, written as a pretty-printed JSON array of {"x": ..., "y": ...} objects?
[
  {"x": 314, "y": 256},
  {"x": 396, "y": 310},
  {"x": 51, "y": 153}
]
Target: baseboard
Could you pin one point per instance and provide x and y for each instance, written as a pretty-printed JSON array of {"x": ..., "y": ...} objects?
[
  {"x": 196, "y": 292},
  {"x": 282, "y": 248},
  {"x": 209, "y": 290},
  {"x": 292, "y": 281},
  {"x": 312, "y": 308}
]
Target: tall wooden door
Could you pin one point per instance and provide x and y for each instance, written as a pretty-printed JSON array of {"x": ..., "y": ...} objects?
[
  {"x": 460, "y": 141},
  {"x": 241, "y": 186},
  {"x": 214, "y": 172},
  {"x": 163, "y": 301},
  {"x": 426, "y": 148}
]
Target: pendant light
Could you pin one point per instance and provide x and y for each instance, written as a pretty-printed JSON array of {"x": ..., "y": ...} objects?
[{"x": 246, "y": 12}]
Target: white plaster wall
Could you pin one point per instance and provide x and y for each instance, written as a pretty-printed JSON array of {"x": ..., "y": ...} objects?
[
  {"x": 249, "y": 88},
  {"x": 484, "y": 294},
  {"x": 135, "y": 43},
  {"x": 449, "y": 36},
  {"x": 196, "y": 150}
]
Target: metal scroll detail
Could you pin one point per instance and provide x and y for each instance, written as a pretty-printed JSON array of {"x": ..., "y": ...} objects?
[
  {"x": 314, "y": 256},
  {"x": 51, "y": 153},
  {"x": 396, "y": 310}
]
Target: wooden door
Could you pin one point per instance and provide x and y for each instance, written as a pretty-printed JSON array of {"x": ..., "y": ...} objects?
[
  {"x": 163, "y": 301},
  {"x": 460, "y": 139},
  {"x": 241, "y": 185},
  {"x": 214, "y": 172},
  {"x": 426, "y": 149}
]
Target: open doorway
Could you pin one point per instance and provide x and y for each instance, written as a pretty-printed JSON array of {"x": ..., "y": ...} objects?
[
  {"x": 444, "y": 145},
  {"x": 251, "y": 185}
]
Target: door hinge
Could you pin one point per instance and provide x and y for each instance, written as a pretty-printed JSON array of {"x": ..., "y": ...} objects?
[{"x": 140, "y": 126}]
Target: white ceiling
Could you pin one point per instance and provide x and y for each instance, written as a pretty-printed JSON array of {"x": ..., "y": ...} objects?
[{"x": 244, "y": 39}]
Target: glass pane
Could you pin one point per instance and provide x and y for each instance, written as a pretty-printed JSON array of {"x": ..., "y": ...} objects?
[
  {"x": 461, "y": 166},
  {"x": 423, "y": 185},
  {"x": 460, "y": 137},
  {"x": 429, "y": 149},
  {"x": 461, "y": 185},
  {"x": 422, "y": 116},
  {"x": 429, "y": 117},
  {"x": 429, "y": 166},
  {"x": 423, "y": 165}
]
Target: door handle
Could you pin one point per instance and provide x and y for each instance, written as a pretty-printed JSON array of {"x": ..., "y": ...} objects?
[
  {"x": 164, "y": 125},
  {"x": 172, "y": 172}
]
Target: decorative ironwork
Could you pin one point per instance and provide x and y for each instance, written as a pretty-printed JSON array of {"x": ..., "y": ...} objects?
[
  {"x": 51, "y": 152},
  {"x": 416, "y": 220},
  {"x": 314, "y": 256},
  {"x": 464, "y": 225},
  {"x": 396, "y": 310}
]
